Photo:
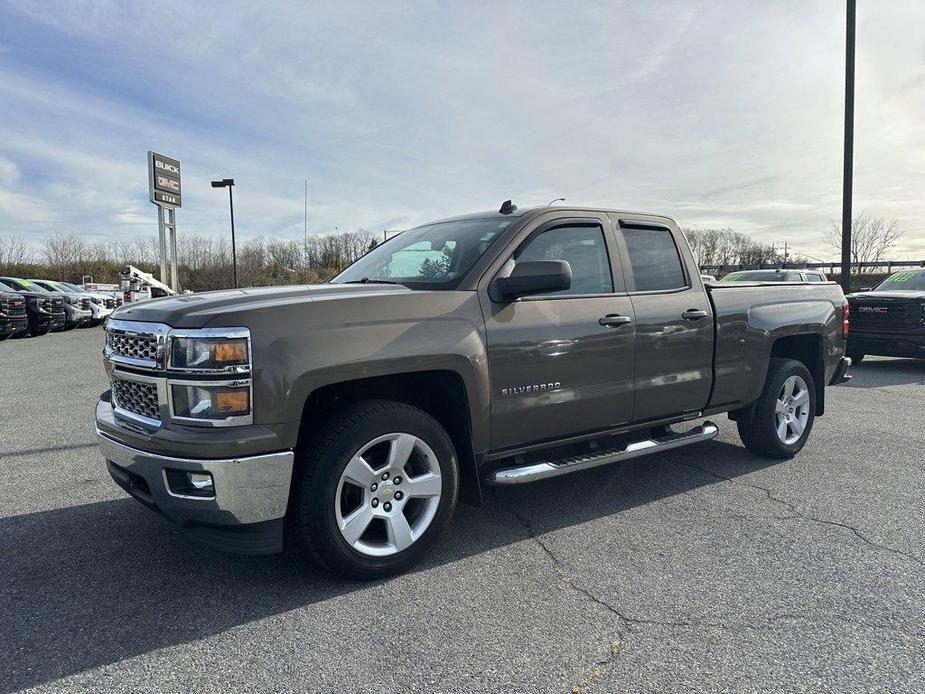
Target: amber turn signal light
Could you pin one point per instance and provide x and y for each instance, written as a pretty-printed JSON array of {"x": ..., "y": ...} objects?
[
  {"x": 229, "y": 352},
  {"x": 232, "y": 401}
]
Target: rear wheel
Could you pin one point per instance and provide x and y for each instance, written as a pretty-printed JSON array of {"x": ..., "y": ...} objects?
[
  {"x": 783, "y": 415},
  {"x": 855, "y": 357},
  {"x": 375, "y": 489}
]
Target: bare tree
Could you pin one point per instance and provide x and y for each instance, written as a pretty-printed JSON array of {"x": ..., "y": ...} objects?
[
  {"x": 728, "y": 247},
  {"x": 872, "y": 238},
  {"x": 13, "y": 251}
]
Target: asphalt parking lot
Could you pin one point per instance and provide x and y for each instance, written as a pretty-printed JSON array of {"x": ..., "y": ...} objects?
[{"x": 701, "y": 569}]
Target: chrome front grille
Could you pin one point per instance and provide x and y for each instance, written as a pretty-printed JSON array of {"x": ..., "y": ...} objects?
[
  {"x": 13, "y": 307},
  {"x": 133, "y": 345},
  {"x": 139, "y": 398},
  {"x": 110, "y": 303},
  {"x": 85, "y": 304}
]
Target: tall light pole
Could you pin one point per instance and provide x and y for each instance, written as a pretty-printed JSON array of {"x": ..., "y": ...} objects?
[
  {"x": 229, "y": 183},
  {"x": 556, "y": 200},
  {"x": 849, "y": 149},
  {"x": 305, "y": 242}
]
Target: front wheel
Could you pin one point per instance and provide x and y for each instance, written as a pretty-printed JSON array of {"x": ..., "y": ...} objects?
[
  {"x": 375, "y": 489},
  {"x": 783, "y": 415}
]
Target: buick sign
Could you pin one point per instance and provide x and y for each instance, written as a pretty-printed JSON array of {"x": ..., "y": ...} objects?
[{"x": 164, "y": 180}]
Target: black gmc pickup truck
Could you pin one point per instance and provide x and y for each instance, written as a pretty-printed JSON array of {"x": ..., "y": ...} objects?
[
  {"x": 889, "y": 320},
  {"x": 493, "y": 348},
  {"x": 44, "y": 310},
  {"x": 13, "y": 321}
]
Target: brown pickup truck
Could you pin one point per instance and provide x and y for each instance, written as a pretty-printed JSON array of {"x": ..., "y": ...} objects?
[{"x": 492, "y": 348}]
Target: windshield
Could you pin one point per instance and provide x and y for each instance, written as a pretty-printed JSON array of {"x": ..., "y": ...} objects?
[
  {"x": 909, "y": 280},
  {"x": 49, "y": 286},
  {"x": 435, "y": 256},
  {"x": 759, "y": 276},
  {"x": 22, "y": 285}
]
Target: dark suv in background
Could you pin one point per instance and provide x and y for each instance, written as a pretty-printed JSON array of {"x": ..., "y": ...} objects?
[
  {"x": 890, "y": 319},
  {"x": 13, "y": 321},
  {"x": 44, "y": 310}
]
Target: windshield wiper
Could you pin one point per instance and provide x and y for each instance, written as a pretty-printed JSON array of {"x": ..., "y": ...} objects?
[{"x": 367, "y": 280}]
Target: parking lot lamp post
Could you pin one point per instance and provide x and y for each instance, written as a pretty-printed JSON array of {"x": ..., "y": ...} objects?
[{"x": 229, "y": 183}]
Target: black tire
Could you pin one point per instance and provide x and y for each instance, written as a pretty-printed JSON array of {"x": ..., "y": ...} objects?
[
  {"x": 855, "y": 357},
  {"x": 758, "y": 431},
  {"x": 313, "y": 523}
]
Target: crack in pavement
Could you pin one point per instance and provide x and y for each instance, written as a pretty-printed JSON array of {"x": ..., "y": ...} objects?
[
  {"x": 629, "y": 623},
  {"x": 796, "y": 617},
  {"x": 799, "y": 515}
]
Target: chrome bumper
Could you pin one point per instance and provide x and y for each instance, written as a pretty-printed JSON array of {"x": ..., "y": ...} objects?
[{"x": 247, "y": 490}]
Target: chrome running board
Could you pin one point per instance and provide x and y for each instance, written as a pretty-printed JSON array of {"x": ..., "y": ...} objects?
[{"x": 553, "y": 468}]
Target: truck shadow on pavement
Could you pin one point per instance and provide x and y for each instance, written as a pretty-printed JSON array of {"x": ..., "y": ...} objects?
[{"x": 91, "y": 585}]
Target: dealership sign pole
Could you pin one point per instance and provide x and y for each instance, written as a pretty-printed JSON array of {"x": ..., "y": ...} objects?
[{"x": 164, "y": 191}]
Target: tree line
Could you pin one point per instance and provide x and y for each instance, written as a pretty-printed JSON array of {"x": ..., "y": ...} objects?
[
  {"x": 872, "y": 240},
  {"x": 205, "y": 261}
]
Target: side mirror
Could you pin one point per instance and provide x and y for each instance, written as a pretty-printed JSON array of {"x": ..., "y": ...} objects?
[{"x": 532, "y": 277}]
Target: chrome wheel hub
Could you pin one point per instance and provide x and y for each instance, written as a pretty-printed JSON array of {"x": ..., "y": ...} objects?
[
  {"x": 791, "y": 411},
  {"x": 388, "y": 494}
]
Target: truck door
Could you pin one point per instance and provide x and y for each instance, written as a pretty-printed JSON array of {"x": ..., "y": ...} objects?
[
  {"x": 561, "y": 363},
  {"x": 674, "y": 320}
]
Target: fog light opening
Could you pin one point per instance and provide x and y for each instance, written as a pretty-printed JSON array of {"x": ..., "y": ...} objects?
[{"x": 199, "y": 485}]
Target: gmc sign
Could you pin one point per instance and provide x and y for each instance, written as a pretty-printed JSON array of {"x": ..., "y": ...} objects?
[{"x": 164, "y": 180}]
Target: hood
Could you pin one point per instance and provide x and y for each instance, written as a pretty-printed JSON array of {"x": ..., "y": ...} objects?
[
  {"x": 38, "y": 295},
  {"x": 197, "y": 310},
  {"x": 893, "y": 294}
]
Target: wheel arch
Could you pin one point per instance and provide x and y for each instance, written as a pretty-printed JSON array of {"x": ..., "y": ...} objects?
[
  {"x": 441, "y": 393},
  {"x": 809, "y": 349}
]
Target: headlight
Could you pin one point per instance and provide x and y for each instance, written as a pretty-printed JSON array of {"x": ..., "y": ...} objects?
[
  {"x": 211, "y": 402},
  {"x": 209, "y": 353}
]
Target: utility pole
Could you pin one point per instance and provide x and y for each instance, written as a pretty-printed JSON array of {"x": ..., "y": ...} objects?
[
  {"x": 847, "y": 183},
  {"x": 305, "y": 242}
]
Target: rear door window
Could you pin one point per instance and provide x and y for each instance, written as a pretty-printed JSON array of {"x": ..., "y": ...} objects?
[{"x": 654, "y": 260}]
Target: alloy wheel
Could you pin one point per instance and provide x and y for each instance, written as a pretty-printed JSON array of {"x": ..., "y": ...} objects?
[
  {"x": 791, "y": 410},
  {"x": 388, "y": 494}
]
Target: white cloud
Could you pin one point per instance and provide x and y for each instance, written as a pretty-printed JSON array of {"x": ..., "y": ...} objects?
[{"x": 718, "y": 114}]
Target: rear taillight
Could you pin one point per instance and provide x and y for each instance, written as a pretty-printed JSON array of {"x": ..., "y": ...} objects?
[{"x": 845, "y": 310}]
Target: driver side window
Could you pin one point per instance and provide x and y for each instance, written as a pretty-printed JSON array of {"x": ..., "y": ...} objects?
[{"x": 583, "y": 248}]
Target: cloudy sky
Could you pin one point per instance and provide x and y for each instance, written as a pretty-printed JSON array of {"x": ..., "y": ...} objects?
[{"x": 717, "y": 113}]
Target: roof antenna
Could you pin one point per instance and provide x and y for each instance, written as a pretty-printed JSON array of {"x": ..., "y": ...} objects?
[{"x": 507, "y": 207}]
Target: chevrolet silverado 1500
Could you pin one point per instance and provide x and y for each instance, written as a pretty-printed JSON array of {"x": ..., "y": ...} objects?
[{"x": 492, "y": 348}]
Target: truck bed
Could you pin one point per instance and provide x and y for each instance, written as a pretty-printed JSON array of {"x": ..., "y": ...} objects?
[{"x": 752, "y": 316}]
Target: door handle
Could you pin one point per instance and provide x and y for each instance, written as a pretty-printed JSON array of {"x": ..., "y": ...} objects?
[
  {"x": 693, "y": 314},
  {"x": 614, "y": 320}
]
